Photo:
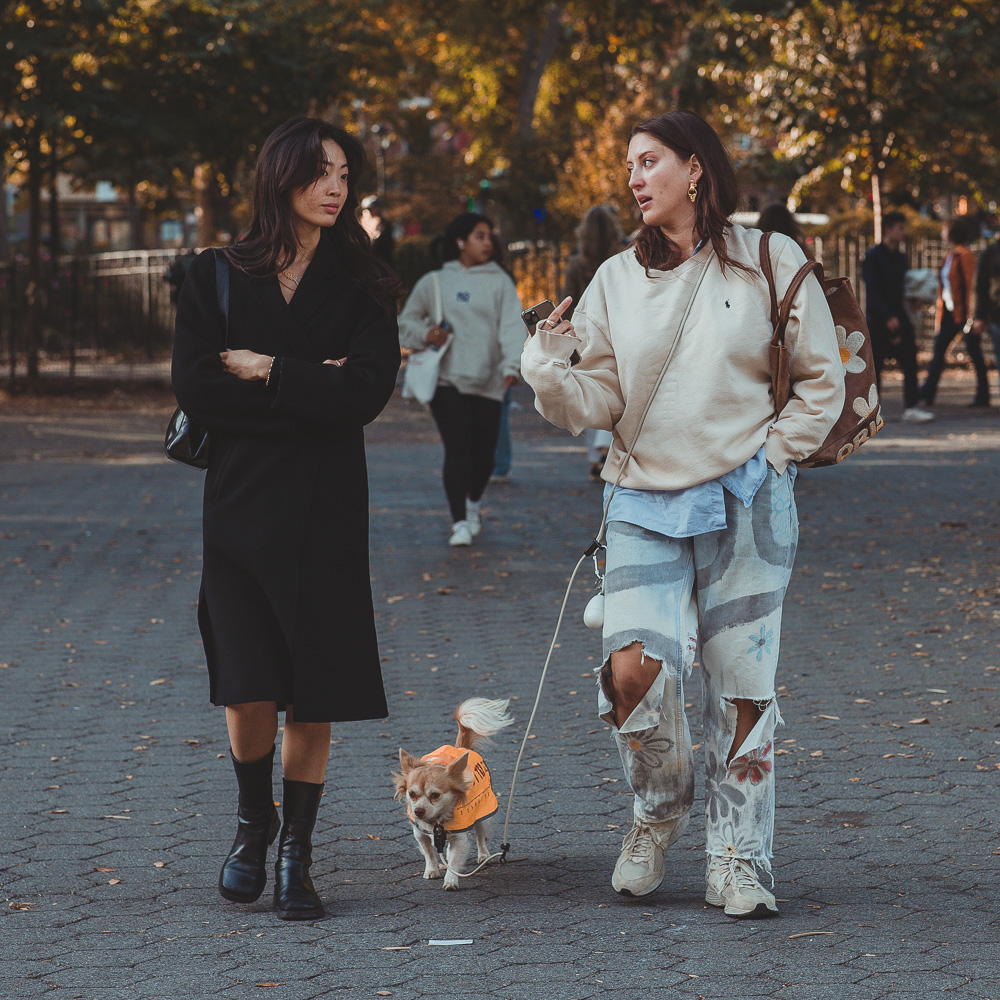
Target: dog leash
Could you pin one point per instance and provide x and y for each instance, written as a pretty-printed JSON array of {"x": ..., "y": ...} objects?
[
  {"x": 591, "y": 552},
  {"x": 595, "y": 546}
]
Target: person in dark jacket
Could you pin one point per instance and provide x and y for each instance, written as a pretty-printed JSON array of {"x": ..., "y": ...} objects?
[
  {"x": 285, "y": 609},
  {"x": 892, "y": 333},
  {"x": 986, "y": 315}
]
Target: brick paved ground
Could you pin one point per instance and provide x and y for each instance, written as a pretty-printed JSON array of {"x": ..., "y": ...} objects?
[{"x": 118, "y": 797}]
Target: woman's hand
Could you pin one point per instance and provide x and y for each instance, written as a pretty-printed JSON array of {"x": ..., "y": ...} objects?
[
  {"x": 339, "y": 362},
  {"x": 554, "y": 323},
  {"x": 247, "y": 365},
  {"x": 436, "y": 336}
]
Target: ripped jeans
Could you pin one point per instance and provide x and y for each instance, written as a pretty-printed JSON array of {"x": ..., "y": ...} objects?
[{"x": 720, "y": 592}]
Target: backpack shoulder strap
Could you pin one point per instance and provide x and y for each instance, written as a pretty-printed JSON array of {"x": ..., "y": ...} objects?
[
  {"x": 789, "y": 300},
  {"x": 768, "y": 271}
]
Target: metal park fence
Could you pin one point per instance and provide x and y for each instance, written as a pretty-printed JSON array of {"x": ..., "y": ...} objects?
[{"x": 115, "y": 309}]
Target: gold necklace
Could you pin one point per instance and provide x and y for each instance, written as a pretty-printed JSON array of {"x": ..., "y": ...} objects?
[{"x": 291, "y": 277}]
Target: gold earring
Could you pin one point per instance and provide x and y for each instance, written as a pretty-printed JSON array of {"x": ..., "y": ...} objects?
[{"x": 692, "y": 191}]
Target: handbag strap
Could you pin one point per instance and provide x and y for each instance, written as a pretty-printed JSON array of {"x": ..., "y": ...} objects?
[
  {"x": 222, "y": 290},
  {"x": 438, "y": 310},
  {"x": 599, "y": 540},
  {"x": 780, "y": 314}
]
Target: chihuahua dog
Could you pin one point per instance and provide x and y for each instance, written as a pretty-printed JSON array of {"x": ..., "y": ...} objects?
[{"x": 448, "y": 792}]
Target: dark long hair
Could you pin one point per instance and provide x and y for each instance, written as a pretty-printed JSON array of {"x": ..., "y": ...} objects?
[
  {"x": 291, "y": 159},
  {"x": 445, "y": 246},
  {"x": 687, "y": 134}
]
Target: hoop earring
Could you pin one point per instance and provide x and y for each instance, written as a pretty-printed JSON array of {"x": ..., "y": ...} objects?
[{"x": 692, "y": 191}]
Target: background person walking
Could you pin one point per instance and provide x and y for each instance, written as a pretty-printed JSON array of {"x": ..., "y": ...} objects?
[
  {"x": 987, "y": 310},
  {"x": 285, "y": 607},
  {"x": 954, "y": 307},
  {"x": 599, "y": 236},
  {"x": 483, "y": 315},
  {"x": 884, "y": 273}
]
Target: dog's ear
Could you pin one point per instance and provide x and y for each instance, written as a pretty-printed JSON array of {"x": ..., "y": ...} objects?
[
  {"x": 456, "y": 770},
  {"x": 406, "y": 764}
]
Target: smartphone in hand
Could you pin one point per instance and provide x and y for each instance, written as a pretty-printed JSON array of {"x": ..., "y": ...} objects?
[{"x": 535, "y": 314}]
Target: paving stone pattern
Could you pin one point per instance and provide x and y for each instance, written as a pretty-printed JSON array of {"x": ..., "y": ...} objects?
[{"x": 118, "y": 795}]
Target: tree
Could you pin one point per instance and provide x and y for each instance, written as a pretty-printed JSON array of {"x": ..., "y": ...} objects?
[{"x": 891, "y": 93}]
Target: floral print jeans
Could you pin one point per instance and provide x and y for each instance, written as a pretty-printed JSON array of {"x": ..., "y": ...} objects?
[{"x": 720, "y": 592}]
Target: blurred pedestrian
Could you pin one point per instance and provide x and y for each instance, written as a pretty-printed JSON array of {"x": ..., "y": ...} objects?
[
  {"x": 599, "y": 236},
  {"x": 777, "y": 218},
  {"x": 175, "y": 274},
  {"x": 503, "y": 458},
  {"x": 987, "y": 309},
  {"x": 285, "y": 383},
  {"x": 954, "y": 309},
  {"x": 482, "y": 316},
  {"x": 889, "y": 324},
  {"x": 702, "y": 532},
  {"x": 378, "y": 229}
]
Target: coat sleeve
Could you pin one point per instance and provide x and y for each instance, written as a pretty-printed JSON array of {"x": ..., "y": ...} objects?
[
  {"x": 511, "y": 330},
  {"x": 817, "y": 372},
  {"x": 352, "y": 395},
  {"x": 581, "y": 396},
  {"x": 206, "y": 392},
  {"x": 416, "y": 319}
]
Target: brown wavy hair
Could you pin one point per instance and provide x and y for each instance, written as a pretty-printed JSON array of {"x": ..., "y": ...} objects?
[
  {"x": 291, "y": 159},
  {"x": 688, "y": 134}
]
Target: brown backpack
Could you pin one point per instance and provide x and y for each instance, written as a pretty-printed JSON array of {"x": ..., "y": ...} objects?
[{"x": 861, "y": 417}]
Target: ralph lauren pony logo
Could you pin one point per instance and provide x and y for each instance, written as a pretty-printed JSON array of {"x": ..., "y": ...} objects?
[{"x": 464, "y": 296}]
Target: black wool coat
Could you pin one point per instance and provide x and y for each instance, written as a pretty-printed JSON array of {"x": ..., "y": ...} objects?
[{"x": 285, "y": 607}]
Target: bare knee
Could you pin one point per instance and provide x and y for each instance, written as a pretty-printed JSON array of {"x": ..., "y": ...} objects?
[{"x": 630, "y": 676}]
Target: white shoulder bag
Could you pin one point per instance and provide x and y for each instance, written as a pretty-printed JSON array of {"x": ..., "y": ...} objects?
[{"x": 423, "y": 367}]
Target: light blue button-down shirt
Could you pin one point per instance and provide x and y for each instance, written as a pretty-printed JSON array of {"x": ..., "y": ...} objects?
[{"x": 694, "y": 511}]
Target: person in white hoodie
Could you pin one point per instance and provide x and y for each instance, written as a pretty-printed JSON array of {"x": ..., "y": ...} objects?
[
  {"x": 481, "y": 317},
  {"x": 702, "y": 531}
]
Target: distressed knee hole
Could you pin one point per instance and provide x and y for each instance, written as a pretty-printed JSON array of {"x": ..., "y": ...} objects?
[{"x": 751, "y": 746}]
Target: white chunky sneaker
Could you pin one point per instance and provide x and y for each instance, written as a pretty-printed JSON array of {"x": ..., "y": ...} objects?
[
  {"x": 917, "y": 415},
  {"x": 639, "y": 870},
  {"x": 461, "y": 534},
  {"x": 472, "y": 517},
  {"x": 733, "y": 883}
]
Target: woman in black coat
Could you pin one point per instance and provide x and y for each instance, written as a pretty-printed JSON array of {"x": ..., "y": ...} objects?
[{"x": 309, "y": 357}]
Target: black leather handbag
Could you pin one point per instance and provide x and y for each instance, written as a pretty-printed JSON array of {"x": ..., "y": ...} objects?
[{"x": 186, "y": 441}]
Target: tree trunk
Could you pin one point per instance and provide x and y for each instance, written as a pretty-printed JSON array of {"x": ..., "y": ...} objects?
[
  {"x": 877, "y": 205},
  {"x": 204, "y": 190},
  {"x": 55, "y": 234},
  {"x": 33, "y": 293},
  {"x": 536, "y": 57}
]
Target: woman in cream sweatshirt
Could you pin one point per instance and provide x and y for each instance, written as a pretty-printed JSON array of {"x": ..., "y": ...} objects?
[
  {"x": 702, "y": 529},
  {"x": 481, "y": 314}
]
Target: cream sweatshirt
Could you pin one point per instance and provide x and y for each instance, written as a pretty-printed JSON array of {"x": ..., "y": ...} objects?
[
  {"x": 482, "y": 306},
  {"x": 714, "y": 408}
]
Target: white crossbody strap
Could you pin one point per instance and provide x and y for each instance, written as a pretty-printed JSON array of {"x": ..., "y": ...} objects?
[{"x": 649, "y": 402}]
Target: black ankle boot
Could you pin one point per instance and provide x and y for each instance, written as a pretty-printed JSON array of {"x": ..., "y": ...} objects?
[
  {"x": 294, "y": 895},
  {"x": 244, "y": 872}
]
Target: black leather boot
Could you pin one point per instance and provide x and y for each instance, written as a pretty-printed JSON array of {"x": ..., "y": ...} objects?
[
  {"x": 244, "y": 872},
  {"x": 294, "y": 895}
]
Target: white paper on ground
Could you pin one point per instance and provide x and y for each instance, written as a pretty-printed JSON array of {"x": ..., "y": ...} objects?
[{"x": 446, "y": 941}]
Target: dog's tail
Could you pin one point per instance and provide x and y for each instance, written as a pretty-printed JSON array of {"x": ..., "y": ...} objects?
[{"x": 479, "y": 719}]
